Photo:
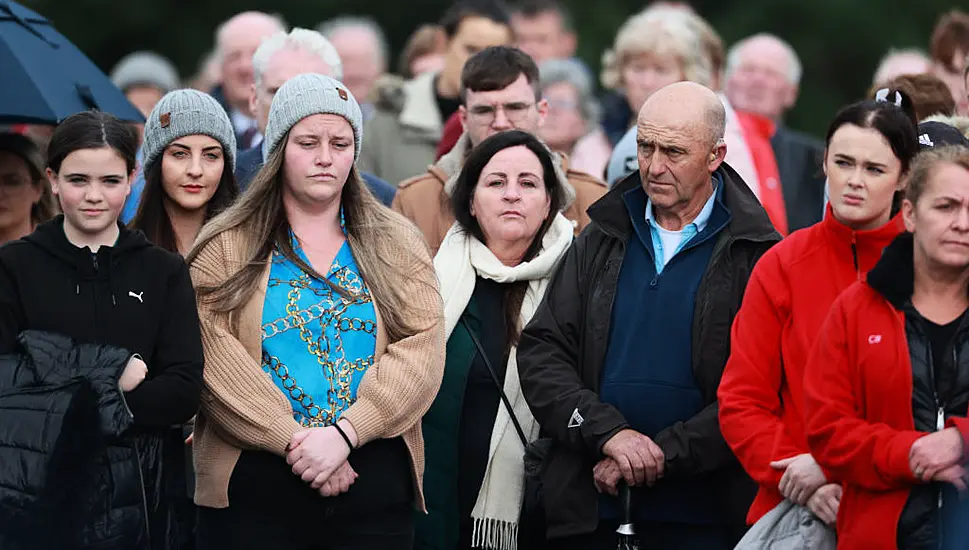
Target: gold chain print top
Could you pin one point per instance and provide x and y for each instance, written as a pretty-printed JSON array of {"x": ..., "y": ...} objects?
[{"x": 317, "y": 344}]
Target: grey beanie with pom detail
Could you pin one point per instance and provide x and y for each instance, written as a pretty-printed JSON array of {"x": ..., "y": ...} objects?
[
  {"x": 187, "y": 113},
  {"x": 306, "y": 95}
]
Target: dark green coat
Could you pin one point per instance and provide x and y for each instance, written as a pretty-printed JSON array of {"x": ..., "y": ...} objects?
[{"x": 439, "y": 529}]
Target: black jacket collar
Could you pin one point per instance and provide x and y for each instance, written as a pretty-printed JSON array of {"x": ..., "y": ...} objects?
[
  {"x": 748, "y": 221},
  {"x": 894, "y": 275}
]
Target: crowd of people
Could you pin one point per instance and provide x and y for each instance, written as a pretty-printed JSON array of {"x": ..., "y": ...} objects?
[{"x": 477, "y": 303}]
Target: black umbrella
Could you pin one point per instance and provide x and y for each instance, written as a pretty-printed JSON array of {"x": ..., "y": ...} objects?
[
  {"x": 44, "y": 78},
  {"x": 626, "y": 533}
]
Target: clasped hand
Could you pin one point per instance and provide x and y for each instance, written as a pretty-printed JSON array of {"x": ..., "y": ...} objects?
[
  {"x": 802, "y": 477},
  {"x": 939, "y": 457},
  {"x": 319, "y": 457},
  {"x": 631, "y": 456}
]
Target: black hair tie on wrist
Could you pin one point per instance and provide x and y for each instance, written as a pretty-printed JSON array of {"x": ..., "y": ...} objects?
[{"x": 344, "y": 435}]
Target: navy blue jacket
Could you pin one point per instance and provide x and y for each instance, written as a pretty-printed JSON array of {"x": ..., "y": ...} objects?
[{"x": 647, "y": 374}]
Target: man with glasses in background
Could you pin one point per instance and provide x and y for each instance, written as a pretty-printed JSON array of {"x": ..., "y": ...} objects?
[{"x": 499, "y": 92}]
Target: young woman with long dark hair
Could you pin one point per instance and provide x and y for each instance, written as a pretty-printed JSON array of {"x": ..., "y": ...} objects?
[
  {"x": 887, "y": 383},
  {"x": 189, "y": 151},
  {"x": 870, "y": 148}
]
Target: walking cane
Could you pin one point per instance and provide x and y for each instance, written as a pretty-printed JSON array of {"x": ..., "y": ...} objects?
[{"x": 626, "y": 533}]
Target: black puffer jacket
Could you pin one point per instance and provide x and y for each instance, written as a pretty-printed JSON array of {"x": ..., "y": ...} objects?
[
  {"x": 72, "y": 473},
  {"x": 926, "y": 522}
]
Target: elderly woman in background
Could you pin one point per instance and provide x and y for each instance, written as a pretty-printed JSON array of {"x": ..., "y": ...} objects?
[
  {"x": 25, "y": 197},
  {"x": 494, "y": 266},
  {"x": 572, "y": 125},
  {"x": 654, "y": 48},
  {"x": 703, "y": 65},
  {"x": 324, "y": 345}
]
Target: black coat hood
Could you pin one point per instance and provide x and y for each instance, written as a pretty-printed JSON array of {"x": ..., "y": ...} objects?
[{"x": 894, "y": 275}]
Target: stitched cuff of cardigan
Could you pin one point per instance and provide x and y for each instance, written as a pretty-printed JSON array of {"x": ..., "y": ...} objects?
[
  {"x": 280, "y": 434},
  {"x": 366, "y": 421}
]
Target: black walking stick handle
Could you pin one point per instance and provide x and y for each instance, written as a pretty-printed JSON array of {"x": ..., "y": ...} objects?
[{"x": 626, "y": 510}]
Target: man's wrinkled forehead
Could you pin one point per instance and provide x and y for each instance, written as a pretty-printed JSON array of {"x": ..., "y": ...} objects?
[{"x": 667, "y": 128}]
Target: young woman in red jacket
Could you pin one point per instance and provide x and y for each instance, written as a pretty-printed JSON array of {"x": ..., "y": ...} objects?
[
  {"x": 890, "y": 372},
  {"x": 869, "y": 147}
]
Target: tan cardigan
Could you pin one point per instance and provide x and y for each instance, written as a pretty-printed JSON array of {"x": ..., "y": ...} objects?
[{"x": 243, "y": 409}]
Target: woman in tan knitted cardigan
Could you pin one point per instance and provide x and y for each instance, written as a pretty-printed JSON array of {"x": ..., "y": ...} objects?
[{"x": 324, "y": 345}]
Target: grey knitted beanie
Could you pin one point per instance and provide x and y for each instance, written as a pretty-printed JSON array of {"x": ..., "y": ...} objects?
[
  {"x": 145, "y": 69},
  {"x": 187, "y": 113},
  {"x": 311, "y": 94}
]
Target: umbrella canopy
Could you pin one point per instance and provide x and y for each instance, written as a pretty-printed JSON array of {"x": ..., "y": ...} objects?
[{"x": 44, "y": 78}]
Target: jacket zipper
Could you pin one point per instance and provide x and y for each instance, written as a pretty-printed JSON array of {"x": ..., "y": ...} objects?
[
  {"x": 939, "y": 426},
  {"x": 94, "y": 300},
  {"x": 854, "y": 255}
]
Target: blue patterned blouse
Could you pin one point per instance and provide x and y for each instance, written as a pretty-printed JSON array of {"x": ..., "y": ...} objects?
[{"x": 316, "y": 344}]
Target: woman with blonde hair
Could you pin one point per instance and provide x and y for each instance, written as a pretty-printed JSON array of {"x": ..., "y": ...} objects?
[
  {"x": 324, "y": 345},
  {"x": 654, "y": 48},
  {"x": 702, "y": 54}
]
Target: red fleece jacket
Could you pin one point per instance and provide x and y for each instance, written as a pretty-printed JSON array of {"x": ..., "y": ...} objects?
[
  {"x": 858, "y": 404},
  {"x": 788, "y": 297}
]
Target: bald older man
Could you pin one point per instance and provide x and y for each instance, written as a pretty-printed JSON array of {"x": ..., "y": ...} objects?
[{"x": 621, "y": 362}]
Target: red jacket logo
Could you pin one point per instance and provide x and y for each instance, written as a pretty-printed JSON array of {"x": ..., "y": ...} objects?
[{"x": 874, "y": 338}]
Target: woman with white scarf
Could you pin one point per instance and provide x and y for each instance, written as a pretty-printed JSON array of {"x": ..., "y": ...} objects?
[{"x": 494, "y": 266}]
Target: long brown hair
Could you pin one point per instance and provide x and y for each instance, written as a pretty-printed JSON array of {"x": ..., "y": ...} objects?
[{"x": 374, "y": 233}]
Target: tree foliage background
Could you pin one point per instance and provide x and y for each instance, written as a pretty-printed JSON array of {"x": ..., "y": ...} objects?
[{"x": 839, "y": 41}]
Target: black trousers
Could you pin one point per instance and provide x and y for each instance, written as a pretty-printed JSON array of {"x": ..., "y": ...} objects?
[
  {"x": 654, "y": 536},
  {"x": 270, "y": 508}
]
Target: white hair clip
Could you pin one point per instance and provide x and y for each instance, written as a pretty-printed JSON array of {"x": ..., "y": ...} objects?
[{"x": 882, "y": 96}]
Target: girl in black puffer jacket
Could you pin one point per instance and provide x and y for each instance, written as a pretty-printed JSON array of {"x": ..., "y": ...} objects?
[{"x": 85, "y": 277}]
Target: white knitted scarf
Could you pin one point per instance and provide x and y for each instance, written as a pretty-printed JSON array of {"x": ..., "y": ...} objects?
[{"x": 460, "y": 259}]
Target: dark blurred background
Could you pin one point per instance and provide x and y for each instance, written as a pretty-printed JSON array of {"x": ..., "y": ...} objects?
[{"x": 839, "y": 41}]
